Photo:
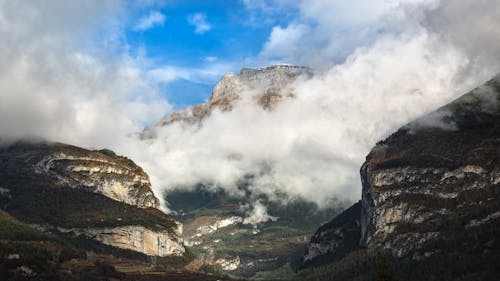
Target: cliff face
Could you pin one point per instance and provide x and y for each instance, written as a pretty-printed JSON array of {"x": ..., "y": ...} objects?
[
  {"x": 94, "y": 195},
  {"x": 431, "y": 191},
  {"x": 436, "y": 178},
  {"x": 266, "y": 87},
  {"x": 334, "y": 240},
  {"x": 136, "y": 238},
  {"x": 102, "y": 172}
]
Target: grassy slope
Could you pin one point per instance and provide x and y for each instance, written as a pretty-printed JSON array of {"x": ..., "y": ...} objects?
[
  {"x": 48, "y": 257},
  {"x": 29, "y": 247},
  {"x": 40, "y": 203},
  {"x": 42, "y": 199},
  {"x": 38, "y": 199}
]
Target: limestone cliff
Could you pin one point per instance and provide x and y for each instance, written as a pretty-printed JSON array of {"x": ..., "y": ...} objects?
[
  {"x": 436, "y": 178},
  {"x": 79, "y": 193},
  {"x": 266, "y": 87},
  {"x": 137, "y": 238},
  {"x": 430, "y": 192},
  {"x": 102, "y": 172}
]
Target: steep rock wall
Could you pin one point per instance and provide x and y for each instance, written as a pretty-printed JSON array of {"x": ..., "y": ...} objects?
[
  {"x": 432, "y": 189},
  {"x": 135, "y": 238},
  {"x": 95, "y": 194},
  {"x": 264, "y": 87},
  {"x": 436, "y": 179},
  {"x": 113, "y": 176}
]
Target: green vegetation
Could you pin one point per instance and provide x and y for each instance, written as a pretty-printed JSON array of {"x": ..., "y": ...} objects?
[
  {"x": 22, "y": 245},
  {"x": 68, "y": 207},
  {"x": 359, "y": 266},
  {"x": 43, "y": 199},
  {"x": 27, "y": 254},
  {"x": 108, "y": 152},
  {"x": 14, "y": 230},
  {"x": 125, "y": 160},
  {"x": 276, "y": 242},
  {"x": 202, "y": 201}
]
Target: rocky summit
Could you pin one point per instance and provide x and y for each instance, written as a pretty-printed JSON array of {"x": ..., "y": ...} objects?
[
  {"x": 265, "y": 87},
  {"x": 102, "y": 172},
  {"x": 430, "y": 197}
]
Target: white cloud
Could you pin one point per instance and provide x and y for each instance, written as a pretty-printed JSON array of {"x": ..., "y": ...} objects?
[
  {"x": 154, "y": 18},
  {"x": 210, "y": 59},
  {"x": 266, "y": 12},
  {"x": 284, "y": 43},
  {"x": 331, "y": 30},
  {"x": 257, "y": 215},
  {"x": 199, "y": 21},
  {"x": 313, "y": 147},
  {"x": 270, "y": 6},
  {"x": 207, "y": 74},
  {"x": 62, "y": 78}
]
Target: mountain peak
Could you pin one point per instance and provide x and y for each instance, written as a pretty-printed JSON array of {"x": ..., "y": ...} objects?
[{"x": 264, "y": 87}]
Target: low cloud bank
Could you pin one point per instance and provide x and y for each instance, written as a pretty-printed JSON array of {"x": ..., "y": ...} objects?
[
  {"x": 409, "y": 64},
  {"x": 400, "y": 60}
]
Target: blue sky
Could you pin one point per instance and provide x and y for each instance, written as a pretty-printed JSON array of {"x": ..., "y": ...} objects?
[{"x": 220, "y": 35}]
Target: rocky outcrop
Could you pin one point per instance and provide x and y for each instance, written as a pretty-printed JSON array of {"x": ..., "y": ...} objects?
[
  {"x": 230, "y": 264},
  {"x": 135, "y": 238},
  {"x": 335, "y": 239},
  {"x": 434, "y": 177},
  {"x": 96, "y": 195},
  {"x": 103, "y": 172},
  {"x": 266, "y": 87},
  {"x": 197, "y": 229},
  {"x": 431, "y": 191}
]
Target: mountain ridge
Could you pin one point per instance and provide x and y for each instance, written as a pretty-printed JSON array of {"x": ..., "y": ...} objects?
[
  {"x": 430, "y": 196},
  {"x": 264, "y": 87},
  {"x": 78, "y": 192}
]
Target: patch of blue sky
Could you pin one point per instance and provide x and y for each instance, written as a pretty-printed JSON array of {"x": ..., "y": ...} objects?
[{"x": 232, "y": 37}]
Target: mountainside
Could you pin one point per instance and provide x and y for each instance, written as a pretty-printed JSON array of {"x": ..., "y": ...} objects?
[
  {"x": 337, "y": 238},
  {"x": 431, "y": 196},
  {"x": 264, "y": 87},
  {"x": 103, "y": 172},
  {"x": 96, "y": 195},
  {"x": 244, "y": 235},
  {"x": 426, "y": 184}
]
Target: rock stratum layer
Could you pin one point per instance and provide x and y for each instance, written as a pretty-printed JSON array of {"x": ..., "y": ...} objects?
[
  {"x": 103, "y": 172},
  {"x": 135, "y": 238},
  {"x": 95, "y": 195},
  {"x": 436, "y": 179},
  {"x": 431, "y": 191}
]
